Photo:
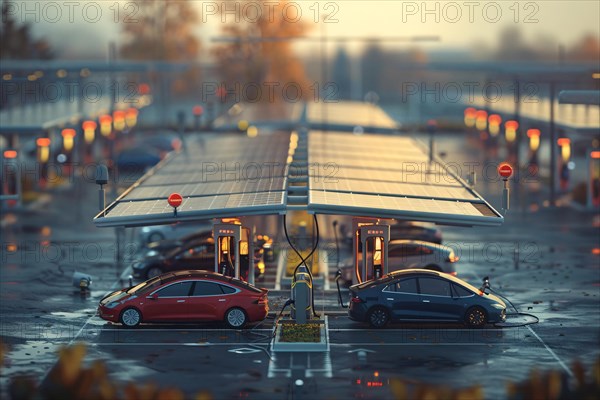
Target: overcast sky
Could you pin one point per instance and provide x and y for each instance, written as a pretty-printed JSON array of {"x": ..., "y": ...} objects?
[{"x": 83, "y": 29}]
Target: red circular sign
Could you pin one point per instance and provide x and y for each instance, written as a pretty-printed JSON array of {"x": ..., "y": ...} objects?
[
  {"x": 175, "y": 200},
  {"x": 505, "y": 170}
]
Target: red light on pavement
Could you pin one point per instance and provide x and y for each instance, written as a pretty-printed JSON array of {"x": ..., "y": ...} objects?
[
  {"x": 68, "y": 132},
  {"x": 10, "y": 154},
  {"x": 505, "y": 170},
  {"x": 144, "y": 88},
  {"x": 197, "y": 110},
  {"x": 175, "y": 200},
  {"x": 533, "y": 132},
  {"x": 43, "y": 142},
  {"x": 563, "y": 141},
  {"x": 595, "y": 154}
]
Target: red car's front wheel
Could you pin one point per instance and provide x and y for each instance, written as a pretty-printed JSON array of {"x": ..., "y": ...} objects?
[{"x": 130, "y": 317}]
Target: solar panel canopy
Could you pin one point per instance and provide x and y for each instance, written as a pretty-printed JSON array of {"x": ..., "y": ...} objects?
[{"x": 370, "y": 175}]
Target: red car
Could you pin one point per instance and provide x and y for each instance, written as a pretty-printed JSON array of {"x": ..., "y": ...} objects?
[{"x": 187, "y": 296}]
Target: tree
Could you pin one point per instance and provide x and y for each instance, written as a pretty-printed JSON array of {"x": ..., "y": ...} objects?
[
  {"x": 162, "y": 30},
  {"x": 246, "y": 61},
  {"x": 17, "y": 42}
]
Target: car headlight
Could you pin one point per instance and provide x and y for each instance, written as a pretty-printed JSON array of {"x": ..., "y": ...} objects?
[
  {"x": 112, "y": 304},
  {"x": 152, "y": 253},
  {"x": 498, "y": 306}
]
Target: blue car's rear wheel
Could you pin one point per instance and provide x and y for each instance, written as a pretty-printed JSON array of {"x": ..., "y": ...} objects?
[{"x": 378, "y": 317}]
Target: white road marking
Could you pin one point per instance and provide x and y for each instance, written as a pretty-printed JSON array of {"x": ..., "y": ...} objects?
[{"x": 552, "y": 353}]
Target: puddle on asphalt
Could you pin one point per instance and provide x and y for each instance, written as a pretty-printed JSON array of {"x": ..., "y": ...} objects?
[{"x": 77, "y": 314}]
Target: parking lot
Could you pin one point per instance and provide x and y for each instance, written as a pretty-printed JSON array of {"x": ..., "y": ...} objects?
[{"x": 556, "y": 279}]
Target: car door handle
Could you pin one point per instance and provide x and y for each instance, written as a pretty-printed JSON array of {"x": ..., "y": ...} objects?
[
  {"x": 222, "y": 299},
  {"x": 426, "y": 301},
  {"x": 181, "y": 301},
  {"x": 389, "y": 298}
]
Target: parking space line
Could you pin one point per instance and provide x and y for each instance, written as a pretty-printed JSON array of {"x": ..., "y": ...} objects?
[
  {"x": 552, "y": 353},
  {"x": 122, "y": 277}
]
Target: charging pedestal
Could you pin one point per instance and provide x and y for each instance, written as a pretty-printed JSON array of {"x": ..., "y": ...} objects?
[
  {"x": 227, "y": 249},
  {"x": 247, "y": 255},
  {"x": 370, "y": 245},
  {"x": 302, "y": 307}
]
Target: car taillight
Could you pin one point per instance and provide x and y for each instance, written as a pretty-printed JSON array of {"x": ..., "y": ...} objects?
[
  {"x": 262, "y": 300},
  {"x": 356, "y": 300}
]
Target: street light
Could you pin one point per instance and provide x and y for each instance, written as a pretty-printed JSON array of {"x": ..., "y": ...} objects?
[
  {"x": 105, "y": 125},
  {"x": 534, "y": 139},
  {"x": 68, "y": 135},
  {"x": 494, "y": 121},
  {"x": 43, "y": 149},
  {"x": 119, "y": 120},
  {"x": 565, "y": 148},
  {"x": 131, "y": 115},
  {"x": 470, "y": 114},
  {"x": 511, "y": 130},
  {"x": 89, "y": 131}
]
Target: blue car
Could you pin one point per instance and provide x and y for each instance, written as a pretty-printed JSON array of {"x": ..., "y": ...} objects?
[{"x": 419, "y": 295}]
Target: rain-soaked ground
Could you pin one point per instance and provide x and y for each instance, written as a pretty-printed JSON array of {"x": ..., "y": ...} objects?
[{"x": 557, "y": 279}]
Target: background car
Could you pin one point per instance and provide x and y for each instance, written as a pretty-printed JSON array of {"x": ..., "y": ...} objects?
[
  {"x": 166, "y": 245},
  {"x": 404, "y": 254},
  {"x": 187, "y": 296},
  {"x": 423, "y": 295},
  {"x": 155, "y": 233},
  {"x": 194, "y": 254},
  {"x": 413, "y": 230}
]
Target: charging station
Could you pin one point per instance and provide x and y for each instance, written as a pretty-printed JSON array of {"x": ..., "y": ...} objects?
[
  {"x": 234, "y": 250},
  {"x": 370, "y": 248}
]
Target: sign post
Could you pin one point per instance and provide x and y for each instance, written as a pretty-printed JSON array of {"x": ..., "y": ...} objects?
[{"x": 505, "y": 171}]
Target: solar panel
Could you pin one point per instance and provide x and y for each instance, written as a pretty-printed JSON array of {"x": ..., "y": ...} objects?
[
  {"x": 222, "y": 175},
  {"x": 388, "y": 176}
]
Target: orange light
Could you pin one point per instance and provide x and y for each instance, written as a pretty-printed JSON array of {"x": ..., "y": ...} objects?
[
  {"x": 495, "y": 119},
  {"x": 89, "y": 131},
  {"x": 565, "y": 148},
  {"x": 10, "y": 154},
  {"x": 511, "y": 130},
  {"x": 376, "y": 374},
  {"x": 131, "y": 115},
  {"x": 481, "y": 120},
  {"x": 68, "y": 132},
  {"x": 119, "y": 120},
  {"x": 43, "y": 142},
  {"x": 534, "y": 139},
  {"x": 105, "y": 124},
  {"x": 595, "y": 154},
  {"x": 470, "y": 112},
  {"x": 197, "y": 110},
  {"x": 596, "y": 251},
  {"x": 533, "y": 132}
]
